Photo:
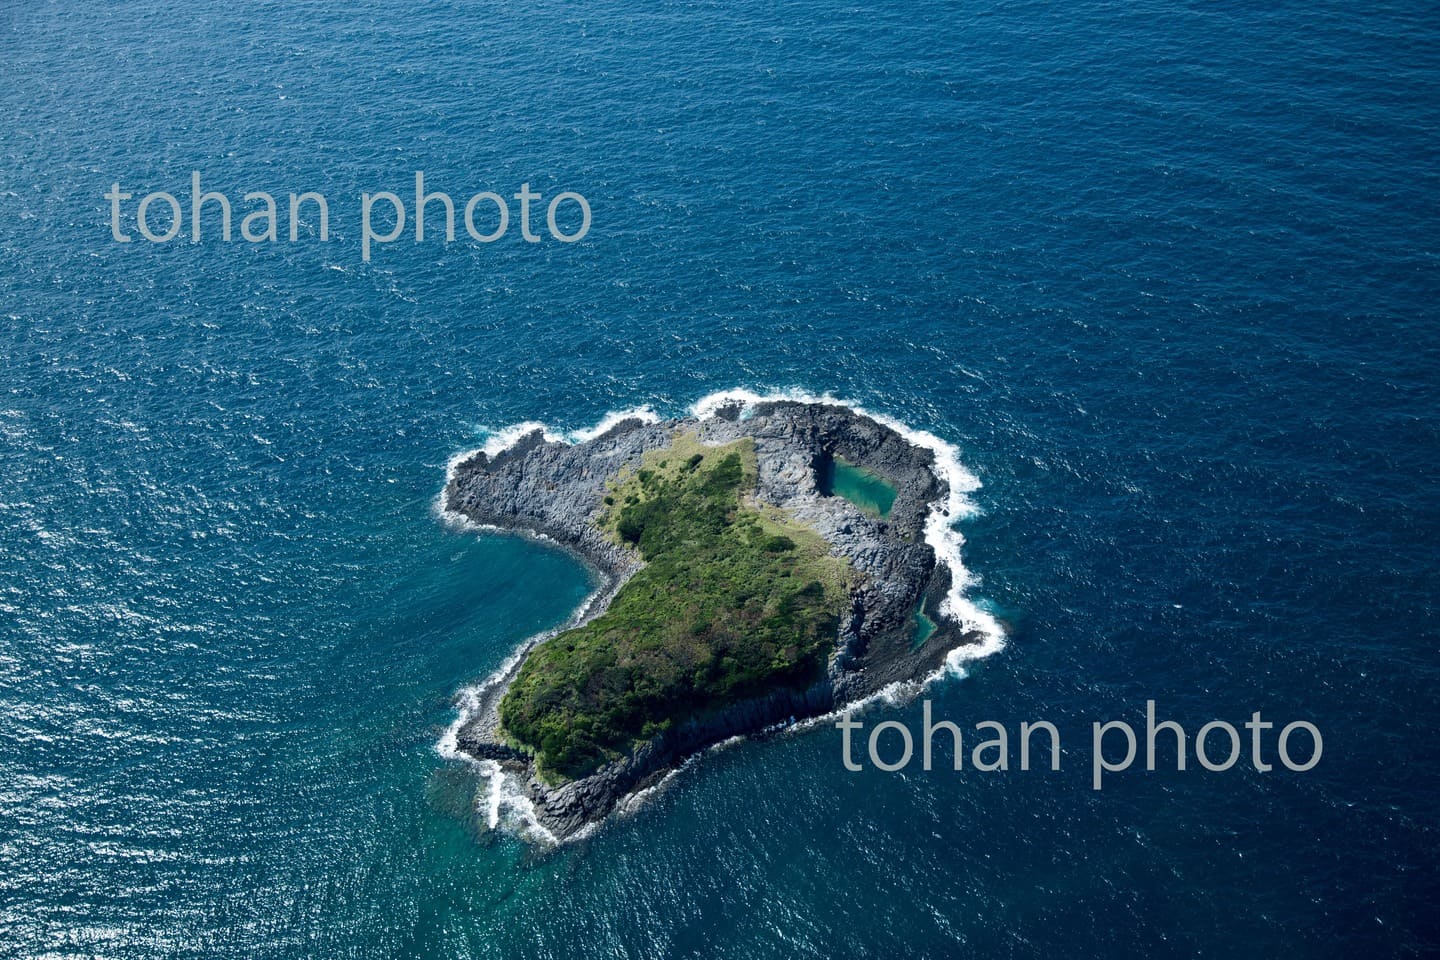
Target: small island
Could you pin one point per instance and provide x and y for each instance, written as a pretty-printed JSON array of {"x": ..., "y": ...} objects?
[{"x": 758, "y": 566}]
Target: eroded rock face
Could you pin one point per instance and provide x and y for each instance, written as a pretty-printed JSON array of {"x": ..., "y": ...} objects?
[{"x": 557, "y": 490}]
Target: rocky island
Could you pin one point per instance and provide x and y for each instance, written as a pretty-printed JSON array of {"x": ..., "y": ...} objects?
[{"x": 764, "y": 563}]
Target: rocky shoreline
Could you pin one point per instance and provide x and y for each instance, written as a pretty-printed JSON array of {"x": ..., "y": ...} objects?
[{"x": 557, "y": 489}]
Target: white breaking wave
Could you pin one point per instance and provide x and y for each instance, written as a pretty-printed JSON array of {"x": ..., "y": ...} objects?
[
  {"x": 507, "y": 804},
  {"x": 643, "y": 414},
  {"x": 504, "y": 803}
]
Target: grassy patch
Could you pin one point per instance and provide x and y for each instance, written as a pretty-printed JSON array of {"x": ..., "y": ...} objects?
[{"x": 735, "y": 599}]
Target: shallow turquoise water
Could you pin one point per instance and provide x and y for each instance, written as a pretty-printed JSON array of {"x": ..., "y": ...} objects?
[
  {"x": 924, "y": 626},
  {"x": 861, "y": 487},
  {"x": 1164, "y": 272}
]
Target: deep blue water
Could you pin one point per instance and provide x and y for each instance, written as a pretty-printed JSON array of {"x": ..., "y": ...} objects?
[{"x": 1165, "y": 272}]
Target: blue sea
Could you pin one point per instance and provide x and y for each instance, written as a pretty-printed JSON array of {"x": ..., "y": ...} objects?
[{"x": 1165, "y": 274}]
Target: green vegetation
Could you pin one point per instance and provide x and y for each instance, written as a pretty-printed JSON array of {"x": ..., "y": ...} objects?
[
  {"x": 866, "y": 489},
  {"x": 734, "y": 599}
]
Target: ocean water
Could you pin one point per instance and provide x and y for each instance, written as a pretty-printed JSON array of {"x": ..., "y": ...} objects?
[{"x": 1164, "y": 273}]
